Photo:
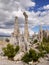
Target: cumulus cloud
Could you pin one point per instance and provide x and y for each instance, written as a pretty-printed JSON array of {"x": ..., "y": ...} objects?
[
  {"x": 11, "y": 8},
  {"x": 46, "y": 7}
]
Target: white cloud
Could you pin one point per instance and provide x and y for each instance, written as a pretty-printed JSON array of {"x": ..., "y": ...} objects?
[
  {"x": 6, "y": 31},
  {"x": 27, "y": 3},
  {"x": 46, "y": 7},
  {"x": 31, "y": 32},
  {"x": 11, "y": 8},
  {"x": 44, "y": 17}
]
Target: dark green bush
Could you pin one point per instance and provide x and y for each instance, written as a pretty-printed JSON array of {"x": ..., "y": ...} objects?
[
  {"x": 46, "y": 48},
  {"x": 41, "y": 54},
  {"x": 7, "y": 40},
  {"x": 43, "y": 48},
  {"x": 35, "y": 41},
  {"x": 46, "y": 39},
  {"x": 17, "y": 49},
  {"x": 26, "y": 58},
  {"x": 32, "y": 55},
  {"x": 10, "y": 51}
]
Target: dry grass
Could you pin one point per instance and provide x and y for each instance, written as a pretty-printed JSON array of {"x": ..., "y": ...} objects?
[{"x": 1, "y": 42}]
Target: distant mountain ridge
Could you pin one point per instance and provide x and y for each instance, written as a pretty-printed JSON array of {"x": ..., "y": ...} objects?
[{"x": 5, "y": 35}]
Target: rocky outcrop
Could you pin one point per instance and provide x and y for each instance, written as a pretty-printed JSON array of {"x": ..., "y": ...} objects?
[{"x": 18, "y": 56}]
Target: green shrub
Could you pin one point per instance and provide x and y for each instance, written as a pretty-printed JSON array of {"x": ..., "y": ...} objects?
[
  {"x": 46, "y": 39},
  {"x": 32, "y": 55},
  {"x": 7, "y": 40},
  {"x": 10, "y": 51},
  {"x": 35, "y": 41},
  {"x": 17, "y": 49},
  {"x": 26, "y": 58},
  {"x": 41, "y": 54},
  {"x": 46, "y": 48},
  {"x": 43, "y": 48}
]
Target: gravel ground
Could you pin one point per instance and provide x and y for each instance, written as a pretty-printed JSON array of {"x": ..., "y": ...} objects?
[
  {"x": 44, "y": 63},
  {"x": 8, "y": 62},
  {"x": 4, "y": 61}
]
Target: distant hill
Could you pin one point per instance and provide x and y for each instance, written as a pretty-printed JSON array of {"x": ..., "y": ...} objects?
[{"x": 5, "y": 35}]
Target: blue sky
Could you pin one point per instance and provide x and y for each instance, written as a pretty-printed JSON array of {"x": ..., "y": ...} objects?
[
  {"x": 38, "y": 7},
  {"x": 37, "y": 11},
  {"x": 39, "y": 4},
  {"x": 36, "y": 28}
]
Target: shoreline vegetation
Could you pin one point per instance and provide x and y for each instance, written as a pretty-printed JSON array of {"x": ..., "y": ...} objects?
[{"x": 32, "y": 55}]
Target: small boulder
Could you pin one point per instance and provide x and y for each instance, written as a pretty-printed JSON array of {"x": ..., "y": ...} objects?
[
  {"x": 41, "y": 60},
  {"x": 18, "y": 56},
  {"x": 31, "y": 63}
]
